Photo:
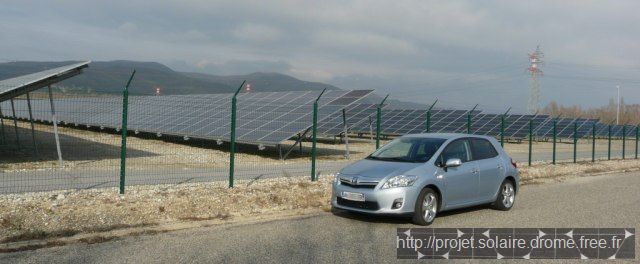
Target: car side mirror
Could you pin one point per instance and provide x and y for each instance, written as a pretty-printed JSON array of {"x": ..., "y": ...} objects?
[{"x": 453, "y": 163}]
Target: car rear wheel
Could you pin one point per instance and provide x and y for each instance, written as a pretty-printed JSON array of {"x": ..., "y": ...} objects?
[
  {"x": 426, "y": 207},
  {"x": 506, "y": 196}
]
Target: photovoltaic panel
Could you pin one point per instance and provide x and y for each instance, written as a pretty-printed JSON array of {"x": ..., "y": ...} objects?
[
  {"x": 13, "y": 87},
  {"x": 266, "y": 118},
  {"x": 355, "y": 115},
  {"x": 485, "y": 124}
]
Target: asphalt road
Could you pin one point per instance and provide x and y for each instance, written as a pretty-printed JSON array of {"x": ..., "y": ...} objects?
[{"x": 598, "y": 201}]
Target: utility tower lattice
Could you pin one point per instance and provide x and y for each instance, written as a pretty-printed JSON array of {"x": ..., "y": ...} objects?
[{"x": 535, "y": 68}]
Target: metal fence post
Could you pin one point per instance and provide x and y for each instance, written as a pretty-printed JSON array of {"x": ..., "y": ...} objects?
[
  {"x": 123, "y": 146},
  {"x": 469, "y": 119},
  {"x": 314, "y": 132},
  {"x": 624, "y": 140},
  {"x": 232, "y": 140},
  {"x": 609, "y": 145},
  {"x": 555, "y": 135},
  {"x": 593, "y": 142},
  {"x": 2, "y": 126},
  {"x": 378, "y": 120},
  {"x": 575, "y": 141},
  {"x": 530, "y": 140},
  {"x": 637, "y": 135},
  {"x": 502, "y": 126},
  {"x": 428, "y": 124}
]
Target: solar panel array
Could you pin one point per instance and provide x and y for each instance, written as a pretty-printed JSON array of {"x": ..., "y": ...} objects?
[
  {"x": 397, "y": 122},
  {"x": 266, "y": 118},
  {"x": 11, "y": 85}
]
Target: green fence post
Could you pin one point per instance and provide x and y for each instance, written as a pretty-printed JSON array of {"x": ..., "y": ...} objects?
[
  {"x": 502, "y": 126},
  {"x": 502, "y": 131},
  {"x": 232, "y": 140},
  {"x": 637, "y": 135},
  {"x": 530, "y": 140},
  {"x": 123, "y": 146},
  {"x": 624, "y": 140},
  {"x": 593, "y": 142},
  {"x": 575, "y": 141},
  {"x": 555, "y": 136},
  {"x": 609, "y": 147},
  {"x": 469, "y": 119},
  {"x": 314, "y": 139},
  {"x": 428, "y": 125},
  {"x": 378, "y": 120}
]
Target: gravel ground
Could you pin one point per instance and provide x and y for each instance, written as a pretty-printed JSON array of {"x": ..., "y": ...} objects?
[
  {"x": 62, "y": 213},
  {"x": 354, "y": 238}
]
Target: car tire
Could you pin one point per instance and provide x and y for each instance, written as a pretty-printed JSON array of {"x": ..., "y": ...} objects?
[
  {"x": 506, "y": 196},
  {"x": 427, "y": 200}
]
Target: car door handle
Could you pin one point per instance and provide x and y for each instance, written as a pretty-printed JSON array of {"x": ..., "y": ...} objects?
[{"x": 474, "y": 171}]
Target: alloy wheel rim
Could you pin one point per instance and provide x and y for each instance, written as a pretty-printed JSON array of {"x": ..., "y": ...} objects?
[
  {"x": 508, "y": 195},
  {"x": 429, "y": 207}
]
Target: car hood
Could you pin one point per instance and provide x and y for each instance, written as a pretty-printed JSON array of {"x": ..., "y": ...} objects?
[{"x": 377, "y": 169}]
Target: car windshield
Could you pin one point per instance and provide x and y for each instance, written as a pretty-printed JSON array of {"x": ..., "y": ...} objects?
[{"x": 408, "y": 149}]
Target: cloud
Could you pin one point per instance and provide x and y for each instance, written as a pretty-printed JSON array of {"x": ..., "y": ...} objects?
[
  {"x": 413, "y": 42},
  {"x": 128, "y": 27},
  {"x": 363, "y": 43},
  {"x": 257, "y": 33}
]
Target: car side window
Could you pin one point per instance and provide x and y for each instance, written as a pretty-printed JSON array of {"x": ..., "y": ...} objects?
[
  {"x": 482, "y": 149},
  {"x": 458, "y": 149}
]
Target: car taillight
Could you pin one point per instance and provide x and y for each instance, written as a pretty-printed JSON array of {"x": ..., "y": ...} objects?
[{"x": 513, "y": 163}]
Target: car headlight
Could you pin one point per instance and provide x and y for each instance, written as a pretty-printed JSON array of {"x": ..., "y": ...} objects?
[
  {"x": 399, "y": 181},
  {"x": 337, "y": 178}
]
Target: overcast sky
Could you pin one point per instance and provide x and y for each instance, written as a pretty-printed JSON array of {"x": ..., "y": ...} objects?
[{"x": 459, "y": 51}]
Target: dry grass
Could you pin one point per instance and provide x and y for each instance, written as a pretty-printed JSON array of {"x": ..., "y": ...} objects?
[
  {"x": 542, "y": 171},
  {"x": 63, "y": 213}
]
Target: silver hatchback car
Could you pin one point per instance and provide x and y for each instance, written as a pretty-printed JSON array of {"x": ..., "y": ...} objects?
[{"x": 423, "y": 174}]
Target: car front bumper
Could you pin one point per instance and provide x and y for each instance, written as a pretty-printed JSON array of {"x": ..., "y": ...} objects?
[{"x": 377, "y": 201}]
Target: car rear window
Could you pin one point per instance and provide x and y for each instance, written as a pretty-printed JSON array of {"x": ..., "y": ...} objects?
[{"x": 482, "y": 149}]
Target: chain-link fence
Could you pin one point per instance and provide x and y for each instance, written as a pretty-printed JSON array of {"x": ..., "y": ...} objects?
[{"x": 61, "y": 141}]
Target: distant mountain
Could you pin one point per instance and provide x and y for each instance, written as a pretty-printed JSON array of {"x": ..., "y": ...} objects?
[
  {"x": 111, "y": 76},
  {"x": 264, "y": 82}
]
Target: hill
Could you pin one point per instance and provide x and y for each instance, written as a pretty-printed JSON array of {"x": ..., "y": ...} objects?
[{"x": 111, "y": 76}]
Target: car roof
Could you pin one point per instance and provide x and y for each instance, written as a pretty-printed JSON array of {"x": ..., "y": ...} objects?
[{"x": 445, "y": 135}]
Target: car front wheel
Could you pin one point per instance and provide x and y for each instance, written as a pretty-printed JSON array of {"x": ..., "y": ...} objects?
[
  {"x": 506, "y": 196},
  {"x": 426, "y": 207}
]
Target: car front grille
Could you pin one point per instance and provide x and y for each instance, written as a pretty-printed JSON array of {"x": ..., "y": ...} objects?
[
  {"x": 357, "y": 185},
  {"x": 368, "y": 205},
  {"x": 355, "y": 182}
]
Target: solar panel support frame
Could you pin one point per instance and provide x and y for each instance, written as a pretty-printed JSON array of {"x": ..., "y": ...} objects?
[
  {"x": 33, "y": 133},
  {"x": 4, "y": 139},
  {"x": 15, "y": 122},
  {"x": 55, "y": 127}
]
